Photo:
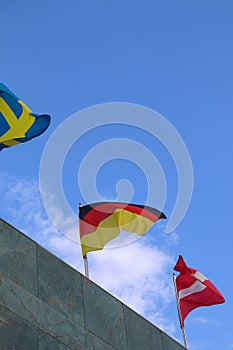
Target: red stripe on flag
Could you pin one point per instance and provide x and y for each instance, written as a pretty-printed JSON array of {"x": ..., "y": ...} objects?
[{"x": 101, "y": 211}]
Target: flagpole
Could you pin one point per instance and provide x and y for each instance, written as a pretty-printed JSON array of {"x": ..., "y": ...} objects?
[
  {"x": 85, "y": 256},
  {"x": 179, "y": 313},
  {"x": 86, "y": 266}
]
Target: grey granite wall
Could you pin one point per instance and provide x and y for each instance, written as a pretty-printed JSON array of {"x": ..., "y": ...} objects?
[{"x": 47, "y": 305}]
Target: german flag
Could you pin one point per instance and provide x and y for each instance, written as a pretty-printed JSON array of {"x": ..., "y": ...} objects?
[{"x": 101, "y": 222}]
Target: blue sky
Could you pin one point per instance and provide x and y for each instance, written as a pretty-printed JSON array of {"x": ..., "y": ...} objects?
[{"x": 174, "y": 57}]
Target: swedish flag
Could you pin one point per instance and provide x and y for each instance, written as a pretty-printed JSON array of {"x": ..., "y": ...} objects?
[{"x": 18, "y": 123}]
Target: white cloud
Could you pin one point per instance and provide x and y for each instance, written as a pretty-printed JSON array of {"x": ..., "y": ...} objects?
[
  {"x": 138, "y": 274},
  {"x": 206, "y": 321}
]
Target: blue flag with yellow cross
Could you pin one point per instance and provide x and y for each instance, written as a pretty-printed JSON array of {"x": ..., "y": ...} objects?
[{"x": 18, "y": 123}]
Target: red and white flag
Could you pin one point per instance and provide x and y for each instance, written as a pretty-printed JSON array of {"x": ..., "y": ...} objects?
[{"x": 194, "y": 289}]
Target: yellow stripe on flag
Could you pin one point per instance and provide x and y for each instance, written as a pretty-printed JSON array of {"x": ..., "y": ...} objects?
[
  {"x": 109, "y": 229},
  {"x": 18, "y": 126}
]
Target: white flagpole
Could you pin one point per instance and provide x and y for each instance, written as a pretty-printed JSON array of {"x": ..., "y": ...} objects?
[
  {"x": 86, "y": 266},
  {"x": 85, "y": 256},
  {"x": 179, "y": 313}
]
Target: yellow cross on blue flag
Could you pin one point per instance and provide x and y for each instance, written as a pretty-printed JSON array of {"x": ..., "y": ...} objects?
[{"x": 18, "y": 123}]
